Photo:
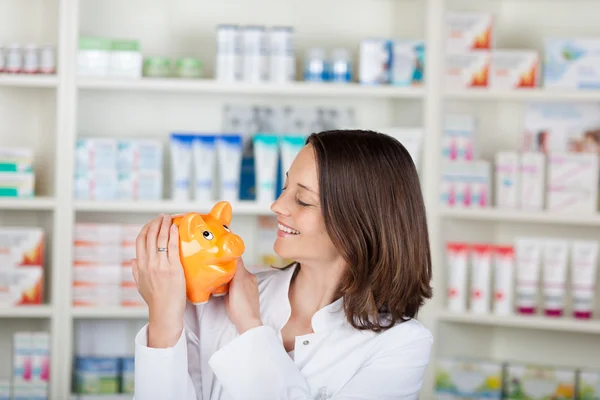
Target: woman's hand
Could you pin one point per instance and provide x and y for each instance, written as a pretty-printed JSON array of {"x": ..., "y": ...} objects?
[
  {"x": 242, "y": 302},
  {"x": 160, "y": 280}
]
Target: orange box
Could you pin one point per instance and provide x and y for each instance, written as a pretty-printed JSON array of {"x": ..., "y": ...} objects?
[
  {"x": 22, "y": 246},
  {"x": 513, "y": 69},
  {"x": 22, "y": 285},
  {"x": 467, "y": 70},
  {"x": 468, "y": 31}
]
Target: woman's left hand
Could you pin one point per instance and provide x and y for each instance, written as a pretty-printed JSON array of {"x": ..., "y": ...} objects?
[{"x": 241, "y": 302}]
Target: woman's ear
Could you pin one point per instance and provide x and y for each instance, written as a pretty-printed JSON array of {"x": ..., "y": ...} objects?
[{"x": 223, "y": 212}]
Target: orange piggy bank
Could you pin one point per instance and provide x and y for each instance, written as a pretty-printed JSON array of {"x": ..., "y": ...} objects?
[{"x": 209, "y": 252}]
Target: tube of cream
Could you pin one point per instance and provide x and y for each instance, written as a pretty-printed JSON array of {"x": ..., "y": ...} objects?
[
  {"x": 290, "y": 147},
  {"x": 481, "y": 265},
  {"x": 529, "y": 256},
  {"x": 204, "y": 166},
  {"x": 265, "y": 157},
  {"x": 229, "y": 149},
  {"x": 181, "y": 166},
  {"x": 555, "y": 274},
  {"x": 584, "y": 258},
  {"x": 504, "y": 265},
  {"x": 457, "y": 254}
]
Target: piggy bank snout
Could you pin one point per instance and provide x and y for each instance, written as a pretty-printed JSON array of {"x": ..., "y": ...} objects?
[{"x": 233, "y": 245}]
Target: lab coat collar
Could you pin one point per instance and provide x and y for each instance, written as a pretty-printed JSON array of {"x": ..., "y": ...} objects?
[{"x": 326, "y": 318}]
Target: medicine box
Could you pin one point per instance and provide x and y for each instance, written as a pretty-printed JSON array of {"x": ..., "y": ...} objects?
[
  {"x": 96, "y": 184},
  {"x": 467, "y": 31},
  {"x": 532, "y": 181},
  {"x": 375, "y": 61},
  {"x": 95, "y": 154},
  {"x": 141, "y": 185},
  {"x": 513, "y": 69},
  {"x": 23, "y": 285},
  {"x": 573, "y": 182},
  {"x": 139, "y": 154},
  {"x": 408, "y": 62},
  {"x": 127, "y": 374},
  {"x": 458, "y": 141},
  {"x": 17, "y": 184},
  {"x": 539, "y": 383},
  {"x": 588, "y": 385},
  {"x": 16, "y": 159},
  {"x": 467, "y": 70},
  {"x": 23, "y": 246},
  {"x": 5, "y": 389},
  {"x": 572, "y": 63},
  {"x": 97, "y": 375},
  {"x": 468, "y": 379},
  {"x": 507, "y": 180}
]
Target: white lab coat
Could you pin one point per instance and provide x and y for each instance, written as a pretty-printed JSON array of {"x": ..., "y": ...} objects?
[{"x": 211, "y": 361}]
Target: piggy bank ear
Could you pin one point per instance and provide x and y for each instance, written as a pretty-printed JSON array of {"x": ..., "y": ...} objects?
[
  {"x": 222, "y": 211},
  {"x": 188, "y": 225}
]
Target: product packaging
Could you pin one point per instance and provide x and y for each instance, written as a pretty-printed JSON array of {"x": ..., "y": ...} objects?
[
  {"x": 181, "y": 166},
  {"x": 573, "y": 182},
  {"x": 467, "y": 70},
  {"x": 266, "y": 152},
  {"x": 408, "y": 63},
  {"x": 539, "y": 383},
  {"x": 572, "y": 63},
  {"x": 97, "y": 375},
  {"x": 125, "y": 59},
  {"x": 16, "y": 159},
  {"x": 375, "y": 61},
  {"x": 504, "y": 265},
  {"x": 556, "y": 257},
  {"x": 229, "y": 153},
  {"x": 458, "y": 142},
  {"x": 532, "y": 181},
  {"x": 205, "y": 154},
  {"x": 290, "y": 147},
  {"x": 5, "y": 389},
  {"x": 514, "y": 69},
  {"x": 17, "y": 184},
  {"x": 507, "y": 180},
  {"x": 584, "y": 265},
  {"x": 528, "y": 258},
  {"x": 127, "y": 374},
  {"x": 93, "y": 57},
  {"x": 468, "y": 379},
  {"x": 457, "y": 258},
  {"x": 466, "y": 31},
  {"x": 588, "y": 385},
  {"x": 481, "y": 267}
]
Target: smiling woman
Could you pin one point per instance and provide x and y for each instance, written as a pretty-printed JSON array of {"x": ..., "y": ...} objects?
[{"x": 337, "y": 323}]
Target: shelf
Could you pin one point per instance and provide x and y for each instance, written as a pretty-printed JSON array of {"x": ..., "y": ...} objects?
[
  {"x": 101, "y": 396},
  {"x": 109, "y": 312},
  {"x": 564, "y": 324},
  {"x": 539, "y": 217},
  {"x": 241, "y": 208},
  {"x": 36, "y": 203},
  {"x": 43, "y": 311},
  {"x": 538, "y": 94},
  {"x": 283, "y": 89},
  {"x": 18, "y": 80}
]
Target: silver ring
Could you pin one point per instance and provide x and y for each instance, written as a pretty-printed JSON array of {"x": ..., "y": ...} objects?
[{"x": 161, "y": 249}]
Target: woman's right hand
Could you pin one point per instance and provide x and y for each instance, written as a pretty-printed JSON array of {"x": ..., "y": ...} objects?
[{"x": 160, "y": 280}]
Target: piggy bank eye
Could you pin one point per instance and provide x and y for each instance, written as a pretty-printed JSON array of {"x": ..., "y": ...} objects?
[
  {"x": 226, "y": 228},
  {"x": 207, "y": 235}
]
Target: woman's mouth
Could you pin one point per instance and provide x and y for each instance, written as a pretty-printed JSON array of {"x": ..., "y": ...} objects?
[{"x": 286, "y": 230}]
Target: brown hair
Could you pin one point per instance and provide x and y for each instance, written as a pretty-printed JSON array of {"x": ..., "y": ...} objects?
[{"x": 374, "y": 213}]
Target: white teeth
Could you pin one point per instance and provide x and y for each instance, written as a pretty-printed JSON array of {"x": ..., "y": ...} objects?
[{"x": 287, "y": 230}]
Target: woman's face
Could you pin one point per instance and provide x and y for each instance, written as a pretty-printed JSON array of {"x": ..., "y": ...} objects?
[{"x": 301, "y": 233}]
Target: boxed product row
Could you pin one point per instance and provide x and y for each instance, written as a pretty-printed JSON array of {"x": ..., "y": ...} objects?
[
  {"x": 30, "y": 367},
  {"x": 28, "y": 59},
  {"x": 17, "y": 176},
  {"x": 399, "y": 62},
  {"x": 464, "y": 378},
  {"x": 102, "y": 275},
  {"x": 22, "y": 261},
  {"x": 94, "y": 375},
  {"x": 514, "y": 277},
  {"x": 104, "y": 57},
  {"x": 123, "y": 169}
]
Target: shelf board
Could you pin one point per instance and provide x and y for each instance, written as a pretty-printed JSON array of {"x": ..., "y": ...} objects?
[
  {"x": 282, "y": 89},
  {"x": 21, "y": 80},
  {"x": 42, "y": 311},
  {"x": 539, "y": 217},
  {"x": 564, "y": 324},
  {"x": 537, "y": 94},
  {"x": 35, "y": 203},
  {"x": 240, "y": 208},
  {"x": 109, "y": 312}
]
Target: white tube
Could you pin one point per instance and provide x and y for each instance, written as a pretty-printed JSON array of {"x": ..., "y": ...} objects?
[
  {"x": 290, "y": 147},
  {"x": 555, "y": 275},
  {"x": 265, "y": 159},
  {"x": 181, "y": 166},
  {"x": 229, "y": 148},
  {"x": 584, "y": 257},
  {"x": 457, "y": 254},
  {"x": 204, "y": 166},
  {"x": 481, "y": 265},
  {"x": 529, "y": 256},
  {"x": 504, "y": 265}
]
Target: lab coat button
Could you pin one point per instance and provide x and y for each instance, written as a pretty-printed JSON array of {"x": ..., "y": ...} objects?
[{"x": 306, "y": 342}]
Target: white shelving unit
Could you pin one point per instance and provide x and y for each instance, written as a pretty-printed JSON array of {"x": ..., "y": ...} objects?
[{"x": 50, "y": 112}]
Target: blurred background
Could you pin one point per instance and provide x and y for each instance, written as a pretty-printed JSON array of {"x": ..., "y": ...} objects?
[{"x": 112, "y": 112}]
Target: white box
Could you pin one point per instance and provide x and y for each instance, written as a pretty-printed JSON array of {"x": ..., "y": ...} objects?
[
  {"x": 513, "y": 69},
  {"x": 468, "y": 31},
  {"x": 467, "y": 70},
  {"x": 85, "y": 254},
  {"x": 139, "y": 154},
  {"x": 130, "y": 297},
  {"x": 97, "y": 276},
  {"x": 17, "y": 184},
  {"x": 107, "y": 296},
  {"x": 16, "y": 159},
  {"x": 96, "y": 185},
  {"x": 573, "y": 182},
  {"x": 480, "y": 185},
  {"x": 458, "y": 142},
  {"x": 507, "y": 180},
  {"x": 90, "y": 233},
  {"x": 40, "y": 365},
  {"x": 375, "y": 61},
  {"x": 22, "y": 285},
  {"x": 95, "y": 154},
  {"x": 141, "y": 185},
  {"x": 572, "y": 63},
  {"x": 532, "y": 182},
  {"x": 5, "y": 389}
]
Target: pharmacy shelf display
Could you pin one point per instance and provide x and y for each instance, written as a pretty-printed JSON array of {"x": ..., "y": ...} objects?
[{"x": 52, "y": 112}]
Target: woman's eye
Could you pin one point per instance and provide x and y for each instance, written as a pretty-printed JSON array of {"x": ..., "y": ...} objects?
[
  {"x": 303, "y": 204},
  {"x": 226, "y": 228},
  {"x": 208, "y": 235}
]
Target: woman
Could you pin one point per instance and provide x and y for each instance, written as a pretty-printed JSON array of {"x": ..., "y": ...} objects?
[{"x": 336, "y": 324}]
